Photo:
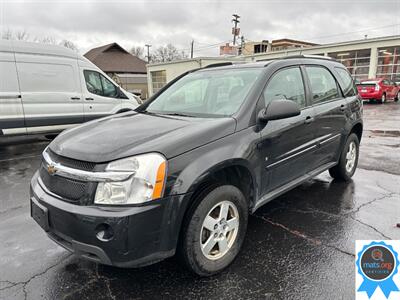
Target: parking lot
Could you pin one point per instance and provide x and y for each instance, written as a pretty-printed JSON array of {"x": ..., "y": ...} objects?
[{"x": 300, "y": 245}]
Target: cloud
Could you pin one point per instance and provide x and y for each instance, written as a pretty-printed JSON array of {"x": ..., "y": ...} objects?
[{"x": 93, "y": 23}]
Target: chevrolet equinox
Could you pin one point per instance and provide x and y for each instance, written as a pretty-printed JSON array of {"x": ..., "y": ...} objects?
[{"x": 182, "y": 172}]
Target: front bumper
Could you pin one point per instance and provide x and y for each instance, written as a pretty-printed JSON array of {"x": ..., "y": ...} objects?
[{"x": 140, "y": 235}]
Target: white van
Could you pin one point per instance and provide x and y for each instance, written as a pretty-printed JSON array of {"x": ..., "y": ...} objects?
[{"x": 47, "y": 88}]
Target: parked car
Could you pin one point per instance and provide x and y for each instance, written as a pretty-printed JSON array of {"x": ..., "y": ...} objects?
[
  {"x": 46, "y": 88},
  {"x": 379, "y": 89},
  {"x": 182, "y": 172}
]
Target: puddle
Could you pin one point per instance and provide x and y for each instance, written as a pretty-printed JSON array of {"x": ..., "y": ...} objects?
[{"x": 388, "y": 133}]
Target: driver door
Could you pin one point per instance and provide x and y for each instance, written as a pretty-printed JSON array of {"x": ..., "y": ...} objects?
[{"x": 101, "y": 96}]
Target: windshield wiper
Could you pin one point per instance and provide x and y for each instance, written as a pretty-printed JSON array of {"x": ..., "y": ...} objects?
[{"x": 178, "y": 114}]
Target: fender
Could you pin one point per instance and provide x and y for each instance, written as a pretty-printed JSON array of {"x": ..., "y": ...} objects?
[{"x": 189, "y": 170}]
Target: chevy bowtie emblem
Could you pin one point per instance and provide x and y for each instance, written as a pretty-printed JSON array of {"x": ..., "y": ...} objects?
[{"x": 51, "y": 169}]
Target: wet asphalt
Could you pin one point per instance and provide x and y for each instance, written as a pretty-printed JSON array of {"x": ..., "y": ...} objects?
[{"x": 299, "y": 246}]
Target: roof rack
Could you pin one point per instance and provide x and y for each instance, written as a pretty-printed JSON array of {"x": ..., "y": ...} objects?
[
  {"x": 221, "y": 64},
  {"x": 308, "y": 56}
]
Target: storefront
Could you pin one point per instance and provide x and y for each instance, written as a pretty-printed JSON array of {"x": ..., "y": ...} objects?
[{"x": 367, "y": 58}]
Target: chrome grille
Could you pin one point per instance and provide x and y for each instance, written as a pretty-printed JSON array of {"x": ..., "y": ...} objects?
[{"x": 69, "y": 190}]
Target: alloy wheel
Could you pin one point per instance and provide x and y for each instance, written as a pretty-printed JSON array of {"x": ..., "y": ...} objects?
[
  {"x": 351, "y": 156},
  {"x": 219, "y": 230}
]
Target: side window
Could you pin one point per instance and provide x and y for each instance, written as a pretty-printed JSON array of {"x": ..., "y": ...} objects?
[
  {"x": 385, "y": 82},
  {"x": 286, "y": 84},
  {"x": 349, "y": 88},
  {"x": 323, "y": 85},
  {"x": 109, "y": 89},
  {"x": 93, "y": 82}
]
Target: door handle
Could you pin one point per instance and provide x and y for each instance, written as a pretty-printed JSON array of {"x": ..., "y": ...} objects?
[
  {"x": 309, "y": 120},
  {"x": 343, "y": 107},
  {"x": 89, "y": 99},
  {"x": 75, "y": 98}
]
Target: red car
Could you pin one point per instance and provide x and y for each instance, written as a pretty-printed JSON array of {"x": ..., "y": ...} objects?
[{"x": 379, "y": 89}]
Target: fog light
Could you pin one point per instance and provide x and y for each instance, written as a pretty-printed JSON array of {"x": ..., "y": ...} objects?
[{"x": 104, "y": 232}]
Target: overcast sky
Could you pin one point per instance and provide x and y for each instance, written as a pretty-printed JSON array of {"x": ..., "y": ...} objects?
[{"x": 93, "y": 23}]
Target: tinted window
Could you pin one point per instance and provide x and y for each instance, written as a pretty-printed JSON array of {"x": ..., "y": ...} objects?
[
  {"x": 93, "y": 82},
  {"x": 323, "y": 85},
  {"x": 286, "y": 84},
  {"x": 348, "y": 85}
]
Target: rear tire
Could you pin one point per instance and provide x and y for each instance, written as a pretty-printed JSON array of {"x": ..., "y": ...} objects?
[
  {"x": 397, "y": 97},
  {"x": 348, "y": 160},
  {"x": 214, "y": 231}
]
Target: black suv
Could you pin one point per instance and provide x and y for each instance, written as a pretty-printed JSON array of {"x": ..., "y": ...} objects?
[{"x": 183, "y": 171}]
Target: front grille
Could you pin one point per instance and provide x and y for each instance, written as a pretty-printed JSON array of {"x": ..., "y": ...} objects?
[
  {"x": 69, "y": 190},
  {"x": 72, "y": 163}
]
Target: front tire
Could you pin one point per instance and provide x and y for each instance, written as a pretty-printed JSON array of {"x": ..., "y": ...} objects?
[
  {"x": 348, "y": 160},
  {"x": 214, "y": 231},
  {"x": 397, "y": 97}
]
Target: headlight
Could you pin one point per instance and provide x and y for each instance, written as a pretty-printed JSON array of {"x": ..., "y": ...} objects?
[{"x": 146, "y": 183}]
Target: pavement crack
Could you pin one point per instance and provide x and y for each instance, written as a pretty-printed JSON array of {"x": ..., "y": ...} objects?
[
  {"x": 356, "y": 210},
  {"x": 372, "y": 227},
  {"x": 26, "y": 282},
  {"x": 299, "y": 234}
]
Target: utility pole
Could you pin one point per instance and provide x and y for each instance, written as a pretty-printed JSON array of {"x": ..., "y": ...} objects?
[
  {"x": 191, "y": 49},
  {"x": 235, "y": 30},
  {"x": 241, "y": 45},
  {"x": 148, "y": 52}
]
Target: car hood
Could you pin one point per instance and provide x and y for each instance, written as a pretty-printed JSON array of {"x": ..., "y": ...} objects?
[{"x": 132, "y": 133}]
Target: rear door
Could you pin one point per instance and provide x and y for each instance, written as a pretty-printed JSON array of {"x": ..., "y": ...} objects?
[
  {"x": 101, "y": 96},
  {"x": 330, "y": 108},
  {"x": 11, "y": 111},
  {"x": 287, "y": 145},
  {"x": 50, "y": 91}
]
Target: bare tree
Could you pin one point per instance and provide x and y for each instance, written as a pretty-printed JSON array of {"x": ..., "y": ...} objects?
[
  {"x": 167, "y": 53},
  {"x": 7, "y": 34},
  {"x": 21, "y": 35},
  {"x": 68, "y": 44},
  {"x": 47, "y": 40},
  {"x": 138, "y": 51}
]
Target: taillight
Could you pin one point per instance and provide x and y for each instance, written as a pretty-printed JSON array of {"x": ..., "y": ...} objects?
[{"x": 377, "y": 87}]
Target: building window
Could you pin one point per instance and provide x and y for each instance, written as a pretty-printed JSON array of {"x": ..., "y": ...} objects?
[
  {"x": 389, "y": 63},
  {"x": 158, "y": 80},
  {"x": 357, "y": 62}
]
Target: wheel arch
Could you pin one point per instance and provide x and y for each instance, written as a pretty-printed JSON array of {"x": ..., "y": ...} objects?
[{"x": 358, "y": 130}]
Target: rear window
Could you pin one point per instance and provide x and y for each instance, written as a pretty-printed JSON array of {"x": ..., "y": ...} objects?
[{"x": 349, "y": 88}]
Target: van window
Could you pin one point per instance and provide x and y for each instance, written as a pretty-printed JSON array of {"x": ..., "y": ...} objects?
[
  {"x": 99, "y": 85},
  {"x": 323, "y": 85},
  {"x": 109, "y": 89},
  {"x": 39, "y": 77},
  {"x": 286, "y": 84},
  {"x": 348, "y": 84}
]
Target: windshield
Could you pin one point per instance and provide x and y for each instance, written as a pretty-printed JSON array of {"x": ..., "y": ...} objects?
[{"x": 211, "y": 93}]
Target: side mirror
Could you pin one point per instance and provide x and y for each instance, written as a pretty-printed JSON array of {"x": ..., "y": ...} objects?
[
  {"x": 121, "y": 94},
  {"x": 279, "y": 109}
]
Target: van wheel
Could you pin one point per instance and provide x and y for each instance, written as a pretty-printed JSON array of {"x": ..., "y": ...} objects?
[
  {"x": 214, "y": 231},
  {"x": 348, "y": 161}
]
